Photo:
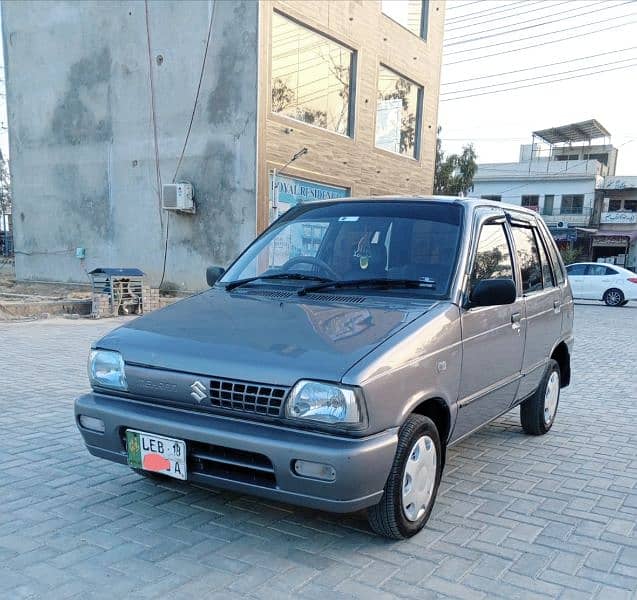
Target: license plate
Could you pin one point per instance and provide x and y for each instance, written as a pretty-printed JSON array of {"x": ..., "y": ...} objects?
[{"x": 156, "y": 453}]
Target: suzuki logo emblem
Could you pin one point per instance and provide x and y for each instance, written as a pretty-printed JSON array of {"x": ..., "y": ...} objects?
[{"x": 199, "y": 391}]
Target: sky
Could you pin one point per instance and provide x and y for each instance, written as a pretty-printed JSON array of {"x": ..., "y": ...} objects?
[{"x": 497, "y": 123}]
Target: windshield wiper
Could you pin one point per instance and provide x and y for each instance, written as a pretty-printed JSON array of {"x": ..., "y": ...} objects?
[
  {"x": 235, "y": 284},
  {"x": 375, "y": 282}
]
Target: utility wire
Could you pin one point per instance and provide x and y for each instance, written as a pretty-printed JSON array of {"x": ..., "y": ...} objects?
[
  {"x": 463, "y": 5},
  {"x": 192, "y": 117},
  {"x": 552, "y": 41},
  {"x": 562, "y": 62},
  {"x": 491, "y": 11},
  {"x": 456, "y": 26},
  {"x": 490, "y": 34},
  {"x": 484, "y": 87},
  {"x": 539, "y": 35},
  {"x": 519, "y": 87}
]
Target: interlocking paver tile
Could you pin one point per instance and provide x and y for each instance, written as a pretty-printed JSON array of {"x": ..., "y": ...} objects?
[{"x": 517, "y": 516}]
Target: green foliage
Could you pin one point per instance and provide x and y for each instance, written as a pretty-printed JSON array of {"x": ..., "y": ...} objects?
[
  {"x": 454, "y": 173},
  {"x": 569, "y": 255}
]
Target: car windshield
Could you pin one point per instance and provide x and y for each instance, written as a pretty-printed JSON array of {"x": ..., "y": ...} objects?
[{"x": 410, "y": 245}]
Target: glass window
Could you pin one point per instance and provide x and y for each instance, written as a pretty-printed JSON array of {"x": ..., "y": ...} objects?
[
  {"x": 548, "y": 204},
  {"x": 547, "y": 274},
  {"x": 311, "y": 76},
  {"x": 354, "y": 241},
  {"x": 630, "y": 205},
  {"x": 614, "y": 204},
  {"x": 576, "y": 269},
  {"x": 600, "y": 270},
  {"x": 532, "y": 202},
  {"x": 572, "y": 204},
  {"x": 493, "y": 257},
  {"x": 411, "y": 14},
  {"x": 397, "y": 113},
  {"x": 529, "y": 259}
]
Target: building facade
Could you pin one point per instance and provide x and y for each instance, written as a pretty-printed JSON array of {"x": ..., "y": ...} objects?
[
  {"x": 258, "y": 105},
  {"x": 615, "y": 220},
  {"x": 558, "y": 178}
]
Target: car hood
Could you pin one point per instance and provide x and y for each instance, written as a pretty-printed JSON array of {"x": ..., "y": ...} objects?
[{"x": 241, "y": 335}]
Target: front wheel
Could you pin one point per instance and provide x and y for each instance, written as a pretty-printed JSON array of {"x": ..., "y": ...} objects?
[
  {"x": 537, "y": 413},
  {"x": 412, "y": 485},
  {"x": 613, "y": 297}
]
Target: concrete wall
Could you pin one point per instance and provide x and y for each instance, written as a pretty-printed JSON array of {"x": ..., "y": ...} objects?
[{"x": 81, "y": 134}]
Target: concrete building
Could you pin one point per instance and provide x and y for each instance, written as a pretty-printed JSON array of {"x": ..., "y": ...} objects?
[
  {"x": 109, "y": 101},
  {"x": 615, "y": 217},
  {"x": 557, "y": 177}
]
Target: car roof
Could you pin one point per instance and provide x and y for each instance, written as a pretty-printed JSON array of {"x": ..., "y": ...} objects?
[
  {"x": 470, "y": 203},
  {"x": 611, "y": 265}
]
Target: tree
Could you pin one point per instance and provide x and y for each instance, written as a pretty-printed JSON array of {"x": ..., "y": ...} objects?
[
  {"x": 454, "y": 173},
  {"x": 5, "y": 203}
]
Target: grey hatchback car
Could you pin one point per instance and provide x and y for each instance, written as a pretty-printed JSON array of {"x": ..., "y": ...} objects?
[{"x": 340, "y": 356}]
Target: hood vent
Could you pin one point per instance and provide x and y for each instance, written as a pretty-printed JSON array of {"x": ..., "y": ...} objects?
[
  {"x": 330, "y": 298},
  {"x": 269, "y": 293}
]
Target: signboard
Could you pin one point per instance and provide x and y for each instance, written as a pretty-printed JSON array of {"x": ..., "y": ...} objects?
[
  {"x": 564, "y": 235},
  {"x": 290, "y": 191},
  {"x": 618, "y": 217},
  {"x": 616, "y": 241}
]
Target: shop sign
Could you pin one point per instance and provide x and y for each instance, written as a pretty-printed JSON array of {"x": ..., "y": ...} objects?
[
  {"x": 622, "y": 218},
  {"x": 290, "y": 191},
  {"x": 564, "y": 235},
  {"x": 616, "y": 241}
]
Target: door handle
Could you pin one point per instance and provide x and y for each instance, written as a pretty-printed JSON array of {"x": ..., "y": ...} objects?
[
  {"x": 557, "y": 306},
  {"x": 515, "y": 321}
]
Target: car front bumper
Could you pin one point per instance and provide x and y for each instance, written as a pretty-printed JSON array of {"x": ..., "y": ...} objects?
[{"x": 247, "y": 456}]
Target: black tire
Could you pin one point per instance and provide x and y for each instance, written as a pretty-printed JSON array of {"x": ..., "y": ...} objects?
[
  {"x": 532, "y": 415},
  {"x": 613, "y": 297},
  {"x": 387, "y": 518}
]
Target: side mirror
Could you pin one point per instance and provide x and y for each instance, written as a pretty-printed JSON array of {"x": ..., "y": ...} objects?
[
  {"x": 493, "y": 292},
  {"x": 213, "y": 274}
]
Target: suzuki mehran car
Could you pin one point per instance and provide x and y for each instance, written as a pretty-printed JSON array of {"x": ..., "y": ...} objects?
[{"x": 341, "y": 355}]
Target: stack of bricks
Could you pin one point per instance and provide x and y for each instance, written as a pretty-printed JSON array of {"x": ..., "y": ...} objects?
[
  {"x": 101, "y": 306},
  {"x": 150, "y": 299}
]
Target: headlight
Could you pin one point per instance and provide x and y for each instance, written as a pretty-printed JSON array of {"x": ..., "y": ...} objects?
[
  {"x": 106, "y": 369},
  {"x": 326, "y": 403}
]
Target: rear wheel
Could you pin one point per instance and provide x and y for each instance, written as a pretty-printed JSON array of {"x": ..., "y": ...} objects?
[
  {"x": 412, "y": 485},
  {"x": 537, "y": 413},
  {"x": 613, "y": 297}
]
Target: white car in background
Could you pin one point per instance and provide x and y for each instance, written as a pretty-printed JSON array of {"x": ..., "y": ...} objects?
[{"x": 599, "y": 281}]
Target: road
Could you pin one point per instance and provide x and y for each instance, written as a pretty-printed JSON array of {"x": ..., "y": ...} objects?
[{"x": 517, "y": 516}]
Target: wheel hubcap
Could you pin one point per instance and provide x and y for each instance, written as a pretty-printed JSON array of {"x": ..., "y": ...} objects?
[
  {"x": 419, "y": 478},
  {"x": 551, "y": 397},
  {"x": 614, "y": 298}
]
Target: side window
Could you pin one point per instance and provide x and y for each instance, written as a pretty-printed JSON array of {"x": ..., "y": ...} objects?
[
  {"x": 547, "y": 273},
  {"x": 493, "y": 256},
  {"x": 558, "y": 269},
  {"x": 600, "y": 270},
  {"x": 529, "y": 259},
  {"x": 576, "y": 269}
]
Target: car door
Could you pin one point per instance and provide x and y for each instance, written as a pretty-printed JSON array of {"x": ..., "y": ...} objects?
[
  {"x": 599, "y": 279},
  {"x": 492, "y": 336},
  {"x": 578, "y": 280},
  {"x": 542, "y": 302}
]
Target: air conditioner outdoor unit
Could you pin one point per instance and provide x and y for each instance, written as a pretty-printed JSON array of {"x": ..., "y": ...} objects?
[
  {"x": 177, "y": 196},
  {"x": 562, "y": 225}
]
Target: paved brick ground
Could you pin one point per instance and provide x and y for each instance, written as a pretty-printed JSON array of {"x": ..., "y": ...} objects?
[{"x": 517, "y": 516}]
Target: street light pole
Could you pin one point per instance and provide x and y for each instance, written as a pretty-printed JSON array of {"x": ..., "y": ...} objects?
[{"x": 275, "y": 185}]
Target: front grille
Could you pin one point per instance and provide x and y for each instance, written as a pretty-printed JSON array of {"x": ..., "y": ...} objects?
[{"x": 242, "y": 396}]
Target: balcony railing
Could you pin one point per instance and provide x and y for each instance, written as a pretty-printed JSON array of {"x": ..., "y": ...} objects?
[{"x": 565, "y": 211}]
